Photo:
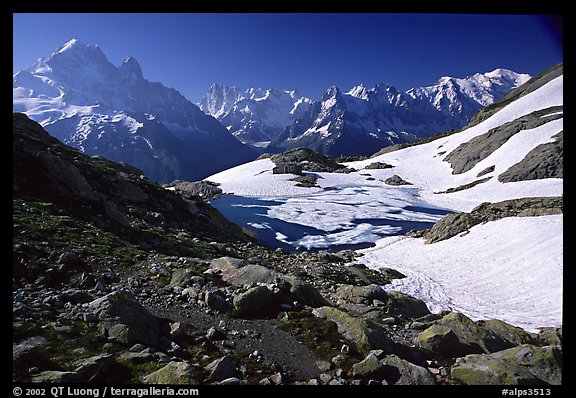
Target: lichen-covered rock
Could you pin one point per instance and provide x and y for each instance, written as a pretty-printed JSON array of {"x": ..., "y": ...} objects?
[
  {"x": 361, "y": 294},
  {"x": 443, "y": 341},
  {"x": 182, "y": 277},
  {"x": 472, "y": 338},
  {"x": 173, "y": 373},
  {"x": 508, "y": 336},
  {"x": 526, "y": 364},
  {"x": 391, "y": 368},
  {"x": 409, "y": 373},
  {"x": 366, "y": 334},
  {"x": 123, "y": 318}
]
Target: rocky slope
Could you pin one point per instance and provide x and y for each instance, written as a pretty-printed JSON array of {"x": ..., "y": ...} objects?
[
  {"x": 90, "y": 104},
  {"x": 116, "y": 279}
]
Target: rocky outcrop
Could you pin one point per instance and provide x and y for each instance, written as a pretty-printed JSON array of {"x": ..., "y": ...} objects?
[
  {"x": 455, "y": 335},
  {"x": 378, "y": 166},
  {"x": 206, "y": 190},
  {"x": 526, "y": 364},
  {"x": 468, "y": 154},
  {"x": 456, "y": 223},
  {"x": 124, "y": 319},
  {"x": 309, "y": 160},
  {"x": 396, "y": 180},
  {"x": 544, "y": 161}
]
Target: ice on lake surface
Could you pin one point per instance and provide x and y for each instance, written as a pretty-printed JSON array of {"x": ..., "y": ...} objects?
[{"x": 336, "y": 219}]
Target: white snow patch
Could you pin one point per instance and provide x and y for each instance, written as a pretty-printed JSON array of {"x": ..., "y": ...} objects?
[{"x": 502, "y": 269}]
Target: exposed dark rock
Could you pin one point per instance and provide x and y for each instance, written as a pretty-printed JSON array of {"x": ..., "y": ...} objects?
[
  {"x": 255, "y": 301},
  {"x": 206, "y": 190},
  {"x": 396, "y": 180},
  {"x": 309, "y": 160},
  {"x": 378, "y": 165},
  {"x": 465, "y": 186},
  {"x": 307, "y": 181},
  {"x": 366, "y": 334},
  {"x": 544, "y": 161},
  {"x": 174, "y": 373},
  {"x": 124, "y": 319},
  {"x": 526, "y": 364},
  {"x": 468, "y": 154},
  {"x": 222, "y": 369},
  {"x": 456, "y": 223}
]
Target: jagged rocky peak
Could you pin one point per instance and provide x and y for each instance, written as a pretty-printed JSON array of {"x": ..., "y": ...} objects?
[{"x": 87, "y": 102}]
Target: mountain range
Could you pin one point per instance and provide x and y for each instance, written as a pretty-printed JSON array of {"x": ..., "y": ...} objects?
[
  {"x": 82, "y": 99},
  {"x": 255, "y": 115},
  {"x": 79, "y": 97},
  {"x": 359, "y": 121}
]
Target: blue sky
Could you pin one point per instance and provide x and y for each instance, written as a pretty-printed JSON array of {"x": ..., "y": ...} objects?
[{"x": 309, "y": 52}]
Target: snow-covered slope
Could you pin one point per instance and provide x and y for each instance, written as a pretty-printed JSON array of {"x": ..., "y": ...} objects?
[
  {"x": 254, "y": 115},
  {"x": 362, "y": 120},
  {"x": 510, "y": 269},
  {"x": 86, "y": 102}
]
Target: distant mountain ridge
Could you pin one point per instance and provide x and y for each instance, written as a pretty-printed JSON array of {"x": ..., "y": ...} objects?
[
  {"x": 361, "y": 120},
  {"x": 254, "y": 115},
  {"x": 82, "y": 99}
]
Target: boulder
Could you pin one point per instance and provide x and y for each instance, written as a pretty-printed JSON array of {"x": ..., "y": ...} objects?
[
  {"x": 525, "y": 364},
  {"x": 173, "y": 373},
  {"x": 405, "y": 305},
  {"x": 508, "y": 336},
  {"x": 471, "y": 338},
  {"x": 392, "y": 369},
  {"x": 361, "y": 294},
  {"x": 124, "y": 319},
  {"x": 306, "y": 293},
  {"x": 366, "y": 334},
  {"x": 222, "y": 369},
  {"x": 254, "y": 302},
  {"x": 182, "y": 277},
  {"x": 409, "y": 373},
  {"x": 238, "y": 272},
  {"x": 456, "y": 335},
  {"x": 99, "y": 368},
  {"x": 396, "y": 180},
  {"x": 56, "y": 377}
]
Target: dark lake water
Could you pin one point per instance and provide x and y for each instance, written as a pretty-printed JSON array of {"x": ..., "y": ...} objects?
[{"x": 251, "y": 213}]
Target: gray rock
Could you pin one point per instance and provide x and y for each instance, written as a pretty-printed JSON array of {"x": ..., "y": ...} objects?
[
  {"x": 222, "y": 369},
  {"x": 378, "y": 165},
  {"x": 124, "y": 319},
  {"x": 409, "y": 374},
  {"x": 238, "y": 272},
  {"x": 306, "y": 293},
  {"x": 526, "y": 364},
  {"x": 182, "y": 277},
  {"x": 366, "y": 334},
  {"x": 98, "y": 368},
  {"x": 253, "y": 302},
  {"x": 174, "y": 373},
  {"x": 216, "y": 300},
  {"x": 56, "y": 377},
  {"x": 402, "y": 304},
  {"x": 396, "y": 180}
]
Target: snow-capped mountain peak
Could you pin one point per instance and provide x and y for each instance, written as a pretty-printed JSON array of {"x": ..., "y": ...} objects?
[
  {"x": 254, "y": 115},
  {"x": 87, "y": 102}
]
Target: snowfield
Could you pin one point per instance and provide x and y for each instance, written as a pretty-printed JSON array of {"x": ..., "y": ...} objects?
[{"x": 510, "y": 269}]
